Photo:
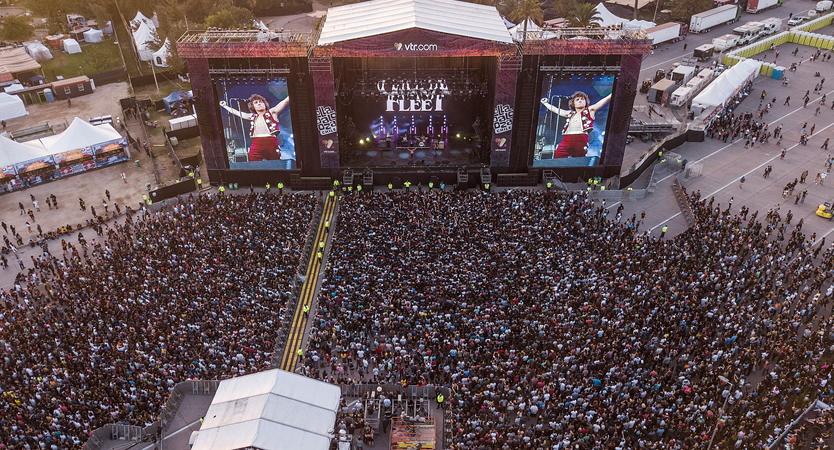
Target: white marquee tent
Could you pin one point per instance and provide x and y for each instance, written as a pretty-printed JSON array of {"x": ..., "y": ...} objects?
[
  {"x": 375, "y": 17},
  {"x": 79, "y": 134},
  {"x": 38, "y": 51},
  {"x": 71, "y": 46},
  {"x": 271, "y": 410},
  {"x": 11, "y": 106},
  {"x": 160, "y": 57},
  {"x": 720, "y": 90},
  {"x": 93, "y": 35},
  {"x": 12, "y": 152},
  {"x": 141, "y": 18},
  {"x": 144, "y": 37},
  {"x": 609, "y": 19}
]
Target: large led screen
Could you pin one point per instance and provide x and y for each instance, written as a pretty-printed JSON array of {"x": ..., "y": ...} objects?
[
  {"x": 257, "y": 126},
  {"x": 573, "y": 116}
]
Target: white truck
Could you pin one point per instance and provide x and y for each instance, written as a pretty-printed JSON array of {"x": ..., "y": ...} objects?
[
  {"x": 755, "y": 6},
  {"x": 704, "y": 21},
  {"x": 685, "y": 93},
  {"x": 771, "y": 25},
  {"x": 748, "y": 32},
  {"x": 668, "y": 32},
  {"x": 824, "y": 5},
  {"x": 725, "y": 42}
]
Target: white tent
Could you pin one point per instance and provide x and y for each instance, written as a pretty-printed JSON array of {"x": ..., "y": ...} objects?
[
  {"x": 160, "y": 57},
  {"x": 140, "y": 19},
  {"x": 720, "y": 90},
  {"x": 93, "y": 35},
  {"x": 38, "y": 51},
  {"x": 12, "y": 152},
  {"x": 607, "y": 18},
  {"x": 71, "y": 46},
  {"x": 271, "y": 410},
  {"x": 11, "y": 106},
  {"x": 375, "y": 17},
  {"x": 79, "y": 134},
  {"x": 144, "y": 37}
]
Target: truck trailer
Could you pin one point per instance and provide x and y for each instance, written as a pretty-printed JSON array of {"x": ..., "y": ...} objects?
[
  {"x": 668, "y": 32},
  {"x": 755, "y": 6},
  {"x": 704, "y": 21}
]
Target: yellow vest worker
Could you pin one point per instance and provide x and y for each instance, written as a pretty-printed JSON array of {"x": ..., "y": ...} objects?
[
  {"x": 300, "y": 352},
  {"x": 280, "y": 185},
  {"x": 486, "y": 186},
  {"x": 319, "y": 255},
  {"x": 332, "y": 194},
  {"x": 440, "y": 400},
  {"x": 199, "y": 182},
  {"x": 549, "y": 185},
  {"x": 267, "y": 187},
  {"x": 327, "y": 225},
  {"x": 359, "y": 188},
  {"x": 221, "y": 189},
  {"x": 321, "y": 244},
  {"x": 431, "y": 185},
  {"x": 390, "y": 186},
  {"x": 305, "y": 309}
]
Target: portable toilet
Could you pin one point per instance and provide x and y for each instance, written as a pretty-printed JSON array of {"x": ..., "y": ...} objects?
[
  {"x": 778, "y": 72},
  {"x": 768, "y": 69},
  {"x": 48, "y": 94}
]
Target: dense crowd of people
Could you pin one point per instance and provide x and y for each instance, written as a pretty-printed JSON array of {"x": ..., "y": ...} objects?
[
  {"x": 557, "y": 328},
  {"x": 101, "y": 329}
]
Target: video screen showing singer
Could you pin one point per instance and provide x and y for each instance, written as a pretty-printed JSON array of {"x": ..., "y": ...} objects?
[
  {"x": 264, "y": 126},
  {"x": 572, "y": 121}
]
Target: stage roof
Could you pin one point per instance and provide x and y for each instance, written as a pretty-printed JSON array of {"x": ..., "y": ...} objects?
[{"x": 375, "y": 17}]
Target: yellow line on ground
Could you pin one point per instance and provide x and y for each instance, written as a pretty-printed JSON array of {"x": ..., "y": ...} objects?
[{"x": 289, "y": 359}]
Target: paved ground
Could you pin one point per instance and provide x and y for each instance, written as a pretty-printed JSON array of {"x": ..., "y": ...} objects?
[{"x": 724, "y": 164}]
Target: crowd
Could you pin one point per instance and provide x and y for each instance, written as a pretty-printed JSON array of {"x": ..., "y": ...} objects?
[
  {"x": 100, "y": 329},
  {"x": 557, "y": 328}
]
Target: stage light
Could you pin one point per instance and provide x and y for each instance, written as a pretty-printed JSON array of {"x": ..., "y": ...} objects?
[{"x": 457, "y": 135}]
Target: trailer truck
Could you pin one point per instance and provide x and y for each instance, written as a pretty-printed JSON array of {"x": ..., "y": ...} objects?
[
  {"x": 704, "y": 21},
  {"x": 755, "y": 6},
  {"x": 668, "y": 32}
]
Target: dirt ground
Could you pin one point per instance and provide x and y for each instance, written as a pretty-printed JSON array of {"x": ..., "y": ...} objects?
[{"x": 104, "y": 100}]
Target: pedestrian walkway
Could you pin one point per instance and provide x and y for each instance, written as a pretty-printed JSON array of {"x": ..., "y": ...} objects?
[{"x": 292, "y": 355}]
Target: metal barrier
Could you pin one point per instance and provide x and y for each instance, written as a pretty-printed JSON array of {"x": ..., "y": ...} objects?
[{"x": 122, "y": 432}]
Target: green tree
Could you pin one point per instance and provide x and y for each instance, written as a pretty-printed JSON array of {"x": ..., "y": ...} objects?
[
  {"x": 16, "y": 28},
  {"x": 524, "y": 10},
  {"x": 562, "y": 8},
  {"x": 584, "y": 15},
  {"x": 231, "y": 17},
  {"x": 688, "y": 8}
]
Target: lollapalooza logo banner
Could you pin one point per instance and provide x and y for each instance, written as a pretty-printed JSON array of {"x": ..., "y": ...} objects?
[
  {"x": 502, "y": 117},
  {"x": 326, "y": 119}
]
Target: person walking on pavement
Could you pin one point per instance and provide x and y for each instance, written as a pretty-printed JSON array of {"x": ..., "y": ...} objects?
[
  {"x": 663, "y": 231},
  {"x": 22, "y": 208},
  {"x": 107, "y": 193},
  {"x": 825, "y": 144},
  {"x": 54, "y": 200},
  {"x": 741, "y": 182},
  {"x": 787, "y": 101}
]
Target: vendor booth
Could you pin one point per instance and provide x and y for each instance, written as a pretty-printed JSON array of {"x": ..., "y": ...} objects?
[
  {"x": 84, "y": 146},
  {"x": 38, "y": 51},
  {"x": 175, "y": 100}
]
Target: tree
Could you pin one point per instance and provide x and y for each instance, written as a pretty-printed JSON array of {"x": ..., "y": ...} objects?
[
  {"x": 584, "y": 16},
  {"x": 232, "y": 17},
  {"x": 16, "y": 28},
  {"x": 688, "y": 8},
  {"x": 525, "y": 10}
]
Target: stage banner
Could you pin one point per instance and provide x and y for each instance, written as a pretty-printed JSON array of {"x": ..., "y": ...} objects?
[
  {"x": 321, "y": 69},
  {"x": 502, "y": 118}
]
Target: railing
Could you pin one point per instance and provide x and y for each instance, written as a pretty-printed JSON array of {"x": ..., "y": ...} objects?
[
  {"x": 211, "y": 36},
  {"x": 123, "y": 432}
]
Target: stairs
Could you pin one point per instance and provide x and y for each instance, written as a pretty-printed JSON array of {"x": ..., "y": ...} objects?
[{"x": 683, "y": 203}]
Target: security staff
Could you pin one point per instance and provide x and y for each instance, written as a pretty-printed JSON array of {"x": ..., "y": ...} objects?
[
  {"x": 440, "y": 400},
  {"x": 663, "y": 231}
]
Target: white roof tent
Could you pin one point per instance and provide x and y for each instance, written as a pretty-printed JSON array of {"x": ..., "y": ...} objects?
[
  {"x": 271, "y": 410},
  {"x": 375, "y": 17}
]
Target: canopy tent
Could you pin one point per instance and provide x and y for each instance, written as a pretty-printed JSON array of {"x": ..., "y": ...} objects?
[
  {"x": 171, "y": 101},
  {"x": 609, "y": 19},
  {"x": 71, "y": 46},
  {"x": 630, "y": 3},
  {"x": 160, "y": 57},
  {"x": 38, "y": 51},
  {"x": 16, "y": 60},
  {"x": 144, "y": 37},
  {"x": 375, "y": 17},
  {"x": 260, "y": 25},
  {"x": 93, "y": 35},
  {"x": 14, "y": 153},
  {"x": 14, "y": 87},
  {"x": 726, "y": 85},
  {"x": 140, "y": 19},
  {"x": 271, "y": 410},
  {"x": 79, "y": 134},
  {"x": 11, "y": 106}
]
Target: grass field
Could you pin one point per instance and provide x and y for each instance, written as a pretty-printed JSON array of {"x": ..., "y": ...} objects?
[{"x": 94, "y": 58}]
